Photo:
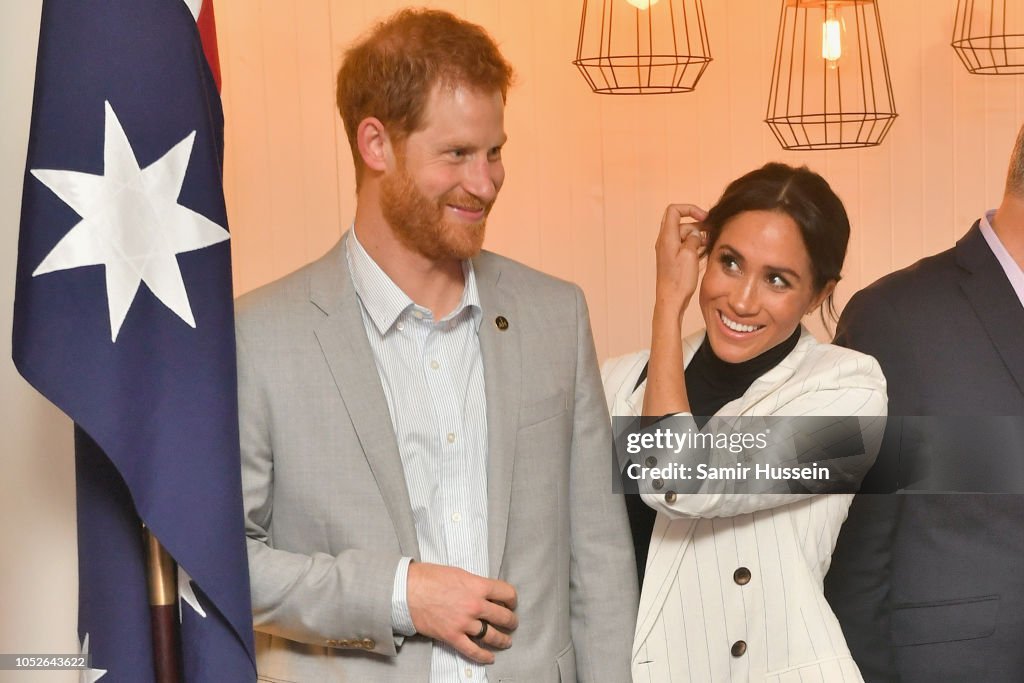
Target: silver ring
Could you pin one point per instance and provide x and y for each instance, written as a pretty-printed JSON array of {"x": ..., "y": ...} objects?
[{"x": 483, "y": 630}]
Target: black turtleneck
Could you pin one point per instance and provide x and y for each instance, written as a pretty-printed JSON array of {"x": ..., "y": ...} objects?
[{"x": 710, "y": 384}]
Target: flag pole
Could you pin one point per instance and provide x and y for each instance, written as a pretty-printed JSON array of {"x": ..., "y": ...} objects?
[{"x": 161, "y": 576}]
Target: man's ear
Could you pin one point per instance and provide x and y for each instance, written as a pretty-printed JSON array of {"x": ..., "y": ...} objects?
[
  {"x": 374, "y": 144},
  {"x": 820, "y": 297}
]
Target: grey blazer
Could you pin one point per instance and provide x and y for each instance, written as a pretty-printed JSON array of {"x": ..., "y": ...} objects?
[
  {"x": 327, "y": 509},
  {"x": 928, "y": 587}
]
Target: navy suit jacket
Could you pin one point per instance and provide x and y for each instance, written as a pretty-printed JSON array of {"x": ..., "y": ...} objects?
[{"x": 930, "y": 587}]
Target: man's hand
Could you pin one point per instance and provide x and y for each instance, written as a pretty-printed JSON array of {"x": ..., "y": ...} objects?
[{"x": 451, "y": 605}]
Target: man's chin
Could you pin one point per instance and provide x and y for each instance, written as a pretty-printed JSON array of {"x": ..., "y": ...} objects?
[{"x": 464, "y": 241}]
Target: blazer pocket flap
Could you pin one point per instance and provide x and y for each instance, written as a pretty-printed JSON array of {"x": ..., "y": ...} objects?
[
  {"x": 543, "y": 409},
  {"x": 944, "y": 622}
]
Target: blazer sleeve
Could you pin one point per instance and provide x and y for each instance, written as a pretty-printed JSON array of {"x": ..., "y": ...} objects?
[
  {"x": 858, "y": 583},
  {"x": 850, "y": 397},
  {"x": 602, "y": 583},
  {"x": 341, "y": 601}
]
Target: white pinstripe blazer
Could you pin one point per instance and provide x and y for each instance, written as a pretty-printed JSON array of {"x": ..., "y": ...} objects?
[{"x": 692, "y": 609}]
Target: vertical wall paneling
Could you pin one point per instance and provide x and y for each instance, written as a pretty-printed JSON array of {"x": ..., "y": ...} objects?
[
  {"x": 246, "y": 149},
  {"x": 904, "y": 43},
  {"x": 316, "y": 216},
  {"x": 941, "y": 177},
  {"x": 285, "y": 133}
]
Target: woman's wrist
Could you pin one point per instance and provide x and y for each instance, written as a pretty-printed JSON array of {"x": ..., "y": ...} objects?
[{"x": 669, "y": 310}]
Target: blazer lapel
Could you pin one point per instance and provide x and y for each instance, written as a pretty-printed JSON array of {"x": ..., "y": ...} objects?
[
  {"x": 503, "y": 365},
  {"x": 342, "y": 339},
  {"x": 984, "y": 283}
]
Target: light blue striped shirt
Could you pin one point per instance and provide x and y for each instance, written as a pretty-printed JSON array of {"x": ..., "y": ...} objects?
[{"x": 433, "y": 377}]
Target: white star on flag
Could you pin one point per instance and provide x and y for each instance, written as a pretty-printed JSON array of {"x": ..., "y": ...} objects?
[
  {"x": 89, "y": 675},
  {"x": 186, "y": 594},
  {"x": 132, "y": 224}
]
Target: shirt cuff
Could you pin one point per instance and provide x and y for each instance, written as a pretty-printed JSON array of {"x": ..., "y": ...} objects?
[{"x": 401, "y": 620}]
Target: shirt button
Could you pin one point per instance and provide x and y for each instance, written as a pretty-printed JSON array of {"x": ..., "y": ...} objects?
[
  {"x": 741, "y": 576},
  {"x": 651, "y": 461},
  {"x": 451, "y": 437},
  {"x": 739, "y": 648},
  {"x": 469, "y": 672},
  {"x": 670, "y": 497},
  {"x": 417, "y": 315},
  {"x": 456, "y": 517},
  {"x": 434, "y": 365},
  {"x": 657, "y": 484},
  {"x": 400, "y": 326}
]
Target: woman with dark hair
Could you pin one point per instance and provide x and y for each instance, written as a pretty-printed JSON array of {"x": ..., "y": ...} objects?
[{"x": 732, "y": 580}]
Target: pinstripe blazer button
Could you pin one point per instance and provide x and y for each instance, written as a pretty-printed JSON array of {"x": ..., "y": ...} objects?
[
  {"x": 739, "y": 648},
  {"x": 741, "y": 576},
  {"x": 670, "y": 497},
  {"x": 657, "y": 484},
  {"x": 651, "y": 461}
]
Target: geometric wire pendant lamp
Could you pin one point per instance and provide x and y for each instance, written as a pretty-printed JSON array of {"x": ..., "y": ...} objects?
[
  {"x": 988, "y": 35},
  {"x": 642, "y": 47},
  {"x": 830, "y": 81}
]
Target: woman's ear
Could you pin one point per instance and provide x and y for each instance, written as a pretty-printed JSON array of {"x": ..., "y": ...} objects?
[
  {"x": 374, "y": 144},
  {"x": 822, "y": 294}
]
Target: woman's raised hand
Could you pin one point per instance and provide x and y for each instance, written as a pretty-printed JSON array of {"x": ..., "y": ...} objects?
[{"x": 678, "y": 257}]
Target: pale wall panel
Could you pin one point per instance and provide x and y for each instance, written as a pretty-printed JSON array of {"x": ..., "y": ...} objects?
[
  {"x": 906, "y": 166},
  {"x": 588, "y": 175},
  {"x": 247, "y": 152},
  {"x": 38, "y": 561}
]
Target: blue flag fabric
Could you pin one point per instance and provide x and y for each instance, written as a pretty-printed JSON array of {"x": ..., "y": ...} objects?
[{"x": 123, "y": 318}]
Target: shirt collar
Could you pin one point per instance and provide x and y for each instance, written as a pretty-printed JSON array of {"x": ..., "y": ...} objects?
[
  {"x": 1013, "y": 271},
  {"x": 385, "y": 302}
]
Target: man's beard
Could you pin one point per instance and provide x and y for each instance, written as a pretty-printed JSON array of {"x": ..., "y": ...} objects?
[{"x": 420, "y": 223}]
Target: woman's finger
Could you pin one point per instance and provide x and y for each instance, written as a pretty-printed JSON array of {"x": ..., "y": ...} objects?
[
  {"x": 694, "y": 237},
  {"x": 677, "y": 212}
]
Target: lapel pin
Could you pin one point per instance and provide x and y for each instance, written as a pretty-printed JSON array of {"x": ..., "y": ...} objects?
[{"x": 501, "y": 322}]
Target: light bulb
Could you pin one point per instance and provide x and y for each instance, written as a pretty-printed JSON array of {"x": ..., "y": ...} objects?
[
  {"x": 642, "y": 4},
  {"x": 832, "y": 37}
]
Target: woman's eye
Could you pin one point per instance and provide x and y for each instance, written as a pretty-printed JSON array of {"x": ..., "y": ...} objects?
[
  {"x": 777, "y": 281},
  {"x": 728, "y": 262}
]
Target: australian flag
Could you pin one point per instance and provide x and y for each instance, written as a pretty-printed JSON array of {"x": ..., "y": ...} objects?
[{"x": 123, "y": 318}]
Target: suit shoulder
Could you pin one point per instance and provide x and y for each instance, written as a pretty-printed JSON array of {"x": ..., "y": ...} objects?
[
  {"x": 917, "y": 278},
  {"x": 840, "y": 355},
  {"x": 290, "y": 292},
  {"x": 620, "y": 370},
  {"x": 845, "y": 365},
  {"x": 619, "y": 376},
  {"x": 523, "y": 276}
]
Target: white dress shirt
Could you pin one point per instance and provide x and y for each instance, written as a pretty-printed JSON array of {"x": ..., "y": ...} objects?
[{"x": 433, "y": 379}]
